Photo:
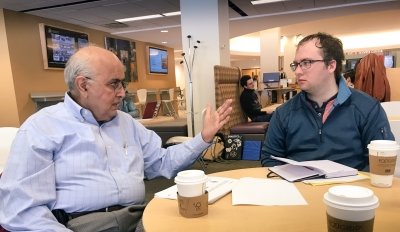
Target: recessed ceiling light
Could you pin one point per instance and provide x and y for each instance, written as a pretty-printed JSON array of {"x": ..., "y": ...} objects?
[
  {"x": 257, "y": 2},
  {"x": 164, "y": 42},
  {"x": 164, "y": 31},
  {"x": 172, "y": 13},
  {"x": 139, "y": 18}
]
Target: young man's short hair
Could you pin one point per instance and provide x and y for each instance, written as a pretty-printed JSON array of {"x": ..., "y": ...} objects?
[{"x": 244, "y": 79}]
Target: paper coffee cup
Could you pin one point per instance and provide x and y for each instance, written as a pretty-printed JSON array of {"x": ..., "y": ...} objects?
[
  {"x": 191, "y": 183},
  {"x": 382, "y": 162},
  {"x": 350, "y": 208}
]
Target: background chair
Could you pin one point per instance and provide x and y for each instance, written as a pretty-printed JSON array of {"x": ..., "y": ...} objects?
[
  {"x": 392, "y": 110},
  {"x": 7, "y": 135},
  {"x": 168, "y": 104},
  {"x": 227, "y": 87},
  {"x": 142, "y": 97}
]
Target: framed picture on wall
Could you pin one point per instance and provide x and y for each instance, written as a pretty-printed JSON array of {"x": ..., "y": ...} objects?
[
  {"x": 126, "y": 51},
  {"x": 59, "y": 44}
]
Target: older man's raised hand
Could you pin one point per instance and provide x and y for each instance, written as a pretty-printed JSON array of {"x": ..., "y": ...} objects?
[{"x": 213, "y": 121}]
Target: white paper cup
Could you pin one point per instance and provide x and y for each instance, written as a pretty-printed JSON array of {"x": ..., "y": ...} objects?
[
  {"x": 350, "y": 208},
  {"x": 191, "y": 183},
  {"x": 382, "y": 162}
]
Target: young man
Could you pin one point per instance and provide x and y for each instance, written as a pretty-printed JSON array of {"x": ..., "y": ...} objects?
[
  {"x": 71, "y": 164},
  {"x": 327, "y": 120},
  {"x": 249, "y": 101}
]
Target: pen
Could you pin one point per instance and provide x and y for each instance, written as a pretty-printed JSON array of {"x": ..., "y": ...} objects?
[{"x": 126, "y": 148}]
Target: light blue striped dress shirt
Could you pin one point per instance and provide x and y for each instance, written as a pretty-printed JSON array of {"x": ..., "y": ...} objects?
[{"x": 62, "y": 158}]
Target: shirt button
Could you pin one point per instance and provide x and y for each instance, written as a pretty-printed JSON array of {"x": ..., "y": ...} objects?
[{"x": 319, "y": 114}]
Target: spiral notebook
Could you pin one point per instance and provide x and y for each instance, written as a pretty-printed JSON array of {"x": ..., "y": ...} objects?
[{"x": 298, "y": 171}]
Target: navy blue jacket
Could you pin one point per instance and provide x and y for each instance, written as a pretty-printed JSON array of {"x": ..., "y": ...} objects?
[{"x": 296, "y": 131}]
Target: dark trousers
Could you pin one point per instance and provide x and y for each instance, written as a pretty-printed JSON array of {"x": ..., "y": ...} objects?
[{"x": 262, "y": 118}]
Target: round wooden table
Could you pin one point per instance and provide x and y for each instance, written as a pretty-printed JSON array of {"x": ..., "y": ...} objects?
[{"x": 163, "y": 214}]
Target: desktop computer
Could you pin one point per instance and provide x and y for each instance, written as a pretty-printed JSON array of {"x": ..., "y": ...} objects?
[{"x": 272, "y": 79}]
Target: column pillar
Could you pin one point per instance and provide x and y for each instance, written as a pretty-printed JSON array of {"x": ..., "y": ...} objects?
[
  {"x": 269, "y": 58},
  {"x": 206, "y": 21},
  {"x": 269, "y": 50}
]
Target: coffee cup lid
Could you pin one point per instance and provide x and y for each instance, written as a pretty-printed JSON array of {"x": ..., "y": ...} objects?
[
  {"x": 190, "y": 177},
  {"x": 351, "y": 197},
  {"x": 384, "y": 145}
]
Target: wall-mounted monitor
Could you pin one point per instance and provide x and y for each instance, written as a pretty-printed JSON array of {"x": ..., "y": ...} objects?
[
  {"x": 59, "y": 44},
  {"x": 388, "y": 61},
  {"x": 157, "y": 60},
  {"x": 271, "y": 77}
]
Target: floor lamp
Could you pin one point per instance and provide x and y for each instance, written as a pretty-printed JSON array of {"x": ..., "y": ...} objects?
[{"x": 189, "y": 66}]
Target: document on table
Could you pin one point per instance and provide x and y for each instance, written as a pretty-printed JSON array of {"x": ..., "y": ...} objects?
[
  {"x": 216, "y": 187},
  {"x": 260, "y": 191}
]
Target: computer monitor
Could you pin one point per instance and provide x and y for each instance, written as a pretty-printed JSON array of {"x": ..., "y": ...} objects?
[
  {"x": 389, "y": 61},
  {"x": 270, "y": 78}
]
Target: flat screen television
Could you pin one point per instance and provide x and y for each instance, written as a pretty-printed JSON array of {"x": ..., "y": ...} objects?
[
  {"x": 58, "y": 45},
  {"x": 388, "y": 61},
  {"x": 272, "y": 77},
  {"x": 158, "y": 60}
]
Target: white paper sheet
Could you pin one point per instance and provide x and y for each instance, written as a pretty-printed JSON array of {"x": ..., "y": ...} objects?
[
  {"x": 217, "y": 187},
  {"x": 257, "y": 191}
]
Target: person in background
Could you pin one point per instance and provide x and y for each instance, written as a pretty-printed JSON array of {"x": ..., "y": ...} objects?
[
  {"x": 249, "y": 101},
  {"x": 327, "y": 119},
  {"x": 350, "y": 76},
  {"x": 282, "y": 74},
  {"x": 80, "y": 165},
  {"x": 128, "y": 107},
  {"x": 255, "y": 81}
]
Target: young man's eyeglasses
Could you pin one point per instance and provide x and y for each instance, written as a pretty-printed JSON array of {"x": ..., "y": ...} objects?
[
  {"x": 304, "y": 64},
  {"x": 115, "y": 84}
]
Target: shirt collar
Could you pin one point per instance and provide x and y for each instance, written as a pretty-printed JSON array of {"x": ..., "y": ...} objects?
[
  {"x": 343, "y": 93},
  {"x": 78, "y": 111}
]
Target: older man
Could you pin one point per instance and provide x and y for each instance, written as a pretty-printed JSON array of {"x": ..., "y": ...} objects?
[{"x": 80, "y": 165}]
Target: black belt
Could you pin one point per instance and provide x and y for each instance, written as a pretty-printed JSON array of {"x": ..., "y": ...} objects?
[
  {"x": 63, "y": 217},
  {"x": 107, "y": 209}
]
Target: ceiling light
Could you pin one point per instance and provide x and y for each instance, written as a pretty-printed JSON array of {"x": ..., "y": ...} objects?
[
  {"x": 172, "y": 13},
  {"x": 164, "y": 42},
  {"x": 164, "y": 31},
  {"x": 257, "y": 2},
  {"x": 245, "y": 44},
  {"x": 388, "y": 39},
  {"x": 139, "y": 18}
]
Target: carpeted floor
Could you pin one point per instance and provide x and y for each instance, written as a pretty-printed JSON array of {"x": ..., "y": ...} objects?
[{"x": 158, "y": 184}]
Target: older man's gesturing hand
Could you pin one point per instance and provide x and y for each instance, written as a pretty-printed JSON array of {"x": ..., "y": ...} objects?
[{"x": 213, "y": 121}]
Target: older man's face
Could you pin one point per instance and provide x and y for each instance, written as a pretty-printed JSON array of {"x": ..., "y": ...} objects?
[{"x": 105, "y": 90}]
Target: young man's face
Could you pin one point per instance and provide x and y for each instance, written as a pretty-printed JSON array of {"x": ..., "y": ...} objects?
[
  {"x": 249, "y": 84},
  {"x": 311, "y": 79}
]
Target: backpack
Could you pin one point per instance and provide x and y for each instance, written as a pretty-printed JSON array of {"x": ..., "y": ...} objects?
[{"x": 216, "y": 150}]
